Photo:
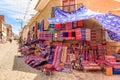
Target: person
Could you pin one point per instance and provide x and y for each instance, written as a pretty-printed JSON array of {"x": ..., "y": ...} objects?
[{"x": 10, "y": 40}]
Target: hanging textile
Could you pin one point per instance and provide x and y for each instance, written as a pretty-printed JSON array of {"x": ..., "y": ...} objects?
[
  {"x": 68, "y": 25},
  {"x": 64, "y": 54},
  {"x": 83, "y": 32},
  {"x": 80, "y": 23},
  {"x": 88, "y": 34},
  {"x": 35, "y": 31},
  {"x": 28, "y": 38},
  {"x": 80, "y": 14},
  {"x": 78, "y": 34},
  {"x": 41, "y": 25}
]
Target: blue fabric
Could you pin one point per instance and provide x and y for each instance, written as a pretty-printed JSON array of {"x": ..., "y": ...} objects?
[
  {"x": 41, "y": 25},
  {"x": 116, "y": 55},
  {"x": 80, "y": 14},
  {"x": 113, "y": 36},
  {"x": 110, "y": 22},
  {"x": 83, "y": 31}
]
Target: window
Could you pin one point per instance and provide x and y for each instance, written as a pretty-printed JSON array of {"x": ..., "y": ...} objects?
[{"x": 68, "y": 5}]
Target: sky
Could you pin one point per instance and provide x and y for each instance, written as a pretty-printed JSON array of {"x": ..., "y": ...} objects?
[{"x": 17, "y": 12}]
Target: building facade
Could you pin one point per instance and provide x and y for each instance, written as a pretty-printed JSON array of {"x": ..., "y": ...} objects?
[{"x": 5, "y": 30}]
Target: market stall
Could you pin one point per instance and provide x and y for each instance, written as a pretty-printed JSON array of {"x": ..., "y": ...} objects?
[{"x": 73, "y": 41}]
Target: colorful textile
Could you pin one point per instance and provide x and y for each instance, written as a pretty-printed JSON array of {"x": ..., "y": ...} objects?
[
  {"x": 110, "y": 22},
  {"x": 78, "y": 34},
  {"x": 64, "y": 54},
  {"x": 41, "y": 25},
  {"x": 83, "y": 31},
  {"x": 51, "y": 25},
  {"x": 55, "y": 56},
  {"x": 93, "y": 34},
  {"x": 74, "y": 24},
  {"x": 63, "y": 26},
  {"x": 58, "y": 60},
  {"x": 58, "y": 26},
  {"x": 68, "y": 25},
  {"x": 113, "y": 35},
  {"x": 80, "y": 23},
  {"x": 80, "y": 14},
  {"x": 88, "y": 34}
]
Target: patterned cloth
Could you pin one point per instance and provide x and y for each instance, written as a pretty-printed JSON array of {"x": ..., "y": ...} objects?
[
  {"x": 112, "y": 23},
  {"x": 80, "y": 14},
  {"x": 113, "y": 36}
]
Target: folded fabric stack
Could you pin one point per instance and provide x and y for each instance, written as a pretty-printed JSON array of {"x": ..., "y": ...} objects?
[
  {"x": 110, "y": 58},
  {"x": 90, "y": 65},
  {"x": 117, "y": 56},
  {"x": 102, "y": 49},
  {"x": 45, "y": 35},
  {"x": 116, "y": 69}
]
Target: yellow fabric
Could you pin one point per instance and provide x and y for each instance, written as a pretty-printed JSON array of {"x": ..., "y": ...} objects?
[{"x": 64, "y": 54}]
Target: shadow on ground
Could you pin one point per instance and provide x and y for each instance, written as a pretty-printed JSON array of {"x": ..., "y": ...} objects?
[{"x": 20, "y": 65}]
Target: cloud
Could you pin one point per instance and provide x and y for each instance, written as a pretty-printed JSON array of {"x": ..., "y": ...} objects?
[{"x": 18, "y": 9}]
